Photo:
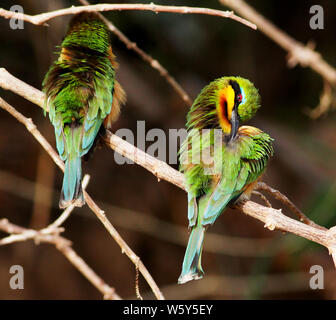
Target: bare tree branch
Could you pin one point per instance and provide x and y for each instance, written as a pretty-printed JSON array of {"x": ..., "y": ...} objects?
[
  {"x": 279, "y": 196},
  {"x": 93, "y": 206},
  {"x": 43, "y": 17},
  {"x": 263, "y": 198},
  {"x": 149, "y": 224},
  {"x": 51, "y": 235},
  {"x": 327, "y": 100},
  {"x": 272, "y": 218},
  {"x": 155, "y": 64},
  {"x": 275, "y": 219}
]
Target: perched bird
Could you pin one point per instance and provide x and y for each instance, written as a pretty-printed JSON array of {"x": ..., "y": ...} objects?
[
  {"x": 231, "y": 158},
  {"x": 82, "y": 97}
]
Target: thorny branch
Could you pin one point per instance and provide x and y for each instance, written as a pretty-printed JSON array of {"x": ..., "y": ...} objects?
[{"x": 272, "y": 218}]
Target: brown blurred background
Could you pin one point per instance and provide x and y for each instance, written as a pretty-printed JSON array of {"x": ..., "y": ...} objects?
[{"x": 242, "y": 259}]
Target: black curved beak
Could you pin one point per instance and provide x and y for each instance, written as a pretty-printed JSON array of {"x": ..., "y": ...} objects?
[{"x": 234, "y": 124}]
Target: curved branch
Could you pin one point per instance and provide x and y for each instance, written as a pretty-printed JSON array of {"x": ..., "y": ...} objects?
[
  {"x": 279, "y": 196},
  {"x": 44, "y": 17}
]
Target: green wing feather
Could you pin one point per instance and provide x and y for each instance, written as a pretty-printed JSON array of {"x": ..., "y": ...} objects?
[
  {"x": 98, "y": 108},
  {"x": 86, "y": 101},
  {"x": 243, "y": 161},
  {"x": 79, "y": 99},
  {"x": 79, "y": 89}
]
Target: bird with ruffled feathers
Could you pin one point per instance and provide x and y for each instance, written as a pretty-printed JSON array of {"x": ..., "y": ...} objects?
[
  {"x": 82, "y": 97},
  {"x": 238, "y": 157}
]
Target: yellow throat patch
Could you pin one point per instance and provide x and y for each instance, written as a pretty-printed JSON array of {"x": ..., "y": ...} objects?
[{"x": 225, "y": 106}]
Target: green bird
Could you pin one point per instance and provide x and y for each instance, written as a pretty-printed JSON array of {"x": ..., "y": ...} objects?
[
  {"x": 221, "y": 160},
  {"x": 82, "y": 97}
]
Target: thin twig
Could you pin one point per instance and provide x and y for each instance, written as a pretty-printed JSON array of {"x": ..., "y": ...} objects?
[
  {"x": 326, "y": 101},
  {"x": 51, "y": 235},
  {"x": 66, "y": 213},
  {"x": 279, "y": 196},
  {"x": 158, "y": 168},
  {"x": 155, "y": 64},
  {"x": 44, "y": 17},
  {"x": 275, "y": 219},
  {"x": 263, "y": 198},
  {"x": 93, "y": 206},
  {"x": 137, "y": 288}
]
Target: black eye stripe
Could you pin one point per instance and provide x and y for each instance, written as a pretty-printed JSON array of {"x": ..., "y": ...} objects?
[{"x": 234, "y": 84}]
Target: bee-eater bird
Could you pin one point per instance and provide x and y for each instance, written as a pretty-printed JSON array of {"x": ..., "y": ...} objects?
[
  {"x": 239, "y": 153},
  {"x": 82, "y": 96}
]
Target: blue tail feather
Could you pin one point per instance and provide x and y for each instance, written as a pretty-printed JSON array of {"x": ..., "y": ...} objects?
[
  {"x": 72, "y": 192},
  {"x": 192, "y": 268}
]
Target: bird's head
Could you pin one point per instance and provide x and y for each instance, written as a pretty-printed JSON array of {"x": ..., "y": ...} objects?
[
  {"x": 226, "y": 103},
  {"x": 87, "y": 31}
]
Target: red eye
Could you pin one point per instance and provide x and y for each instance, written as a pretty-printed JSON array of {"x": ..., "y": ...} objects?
[{"x": 240, "y": 98}]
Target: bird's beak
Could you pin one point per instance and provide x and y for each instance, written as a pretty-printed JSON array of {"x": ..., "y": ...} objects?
[{"x": 234, "y": 123}]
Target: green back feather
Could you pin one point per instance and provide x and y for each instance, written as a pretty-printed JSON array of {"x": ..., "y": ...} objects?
[
  {"x": 87, "y": 30},
  {"x": 79, "y": 85},
  {"x": 79, "y": 94},
  {"x": 235, "y": 164}
]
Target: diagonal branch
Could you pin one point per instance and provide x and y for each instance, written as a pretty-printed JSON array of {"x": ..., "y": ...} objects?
[
  {"x": 155, "y": 64},
  {"x": 146, "y": 223},
  {"x": 93, "y": 206},
  {"x": 51, "y": 235},
  {"x": 273, "y": 219},
  {"x": 279, "y": 196},
  {"x": 44, "y": 17}
]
